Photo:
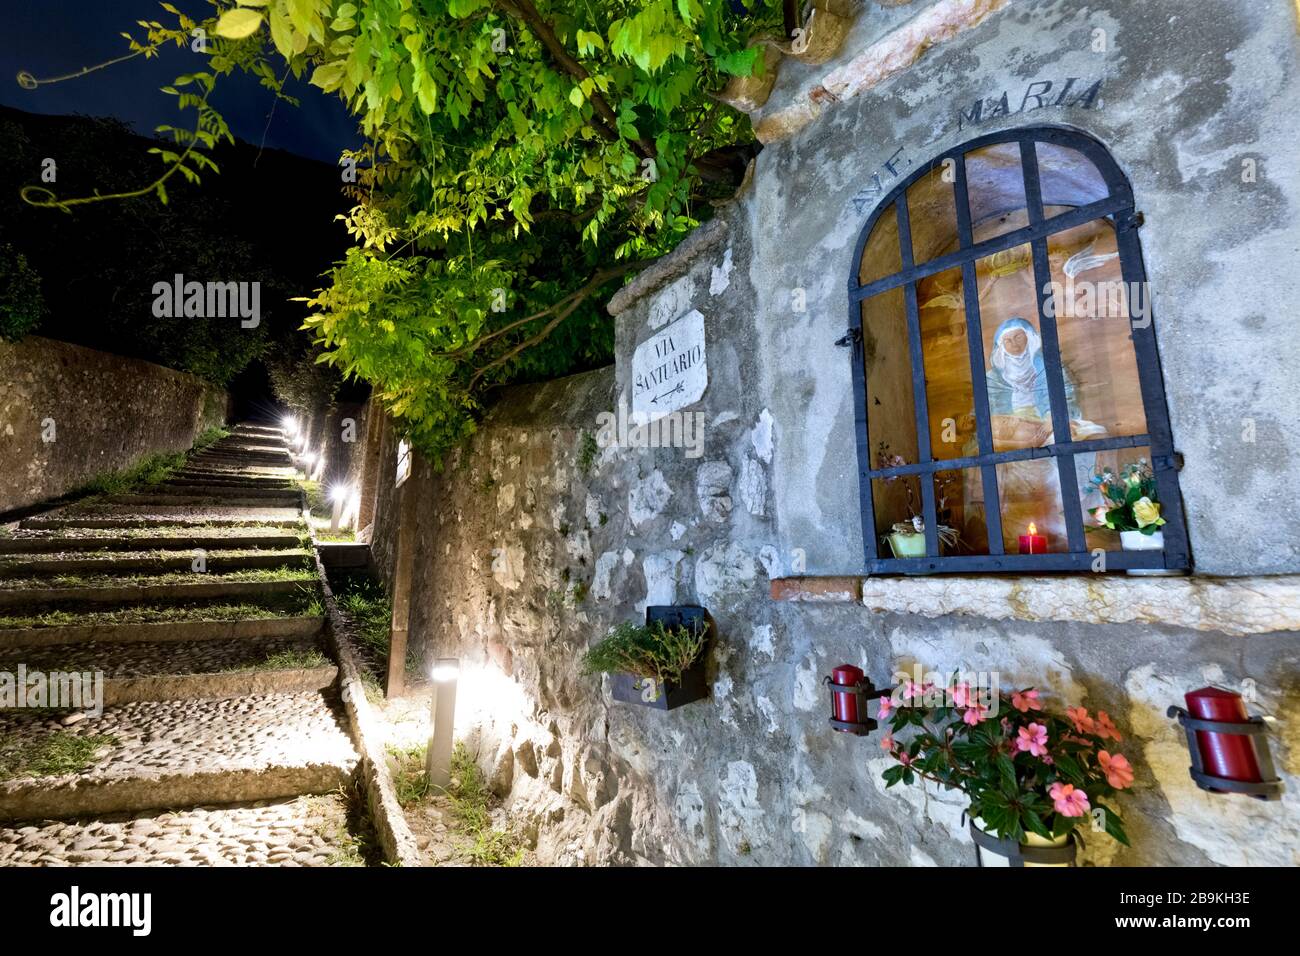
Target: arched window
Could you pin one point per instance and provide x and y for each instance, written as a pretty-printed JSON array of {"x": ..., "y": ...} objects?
[{"x": 1007, "y": 385}]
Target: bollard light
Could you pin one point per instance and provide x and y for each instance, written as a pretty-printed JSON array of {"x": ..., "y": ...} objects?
[{"x": 445, "y": 672}]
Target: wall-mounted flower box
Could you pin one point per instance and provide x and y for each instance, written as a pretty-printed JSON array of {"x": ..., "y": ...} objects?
[{"x": 659, "y": 665}]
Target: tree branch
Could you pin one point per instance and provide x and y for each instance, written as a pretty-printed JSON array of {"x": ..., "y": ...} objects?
[
  {"x": 525, "y": 11},
  {"x": 566, "y": 307}
]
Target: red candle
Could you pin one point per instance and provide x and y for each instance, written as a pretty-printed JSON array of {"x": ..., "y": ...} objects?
[
  {"x": 845, "y": 703},
  {"x": 1033, "y": 543},
  {"x": 1231, "y": 756}
]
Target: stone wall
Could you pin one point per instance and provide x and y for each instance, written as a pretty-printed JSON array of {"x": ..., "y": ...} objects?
[
  {"x": 530, "y": 546},
  {"x": 69, "y": 413}
]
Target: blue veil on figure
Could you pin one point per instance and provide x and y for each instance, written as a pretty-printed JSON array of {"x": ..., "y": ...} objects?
[{"x": 1017, "y": 383}]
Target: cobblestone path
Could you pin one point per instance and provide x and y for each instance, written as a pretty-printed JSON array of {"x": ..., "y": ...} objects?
[{"x": 194, "y": 607}]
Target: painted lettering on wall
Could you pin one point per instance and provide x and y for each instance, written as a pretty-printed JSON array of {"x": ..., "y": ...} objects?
[
  {"x": 882, "y": 177},
  {"x": 1040, "y": 94},
  {"x": 669, "y": 369}
]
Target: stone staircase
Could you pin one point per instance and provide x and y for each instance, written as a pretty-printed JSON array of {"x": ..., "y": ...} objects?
[{"x": 196, "y": 601}]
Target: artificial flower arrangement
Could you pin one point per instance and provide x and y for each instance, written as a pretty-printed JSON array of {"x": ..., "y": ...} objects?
[
  {"x": 1024, "y": 770},
  {"x": 1131, "y": 499}
]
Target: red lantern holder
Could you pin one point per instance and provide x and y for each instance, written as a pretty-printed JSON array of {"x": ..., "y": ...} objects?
[
  {"x": 1229, "y": 750},
  {"x": 850, "y": 691}
]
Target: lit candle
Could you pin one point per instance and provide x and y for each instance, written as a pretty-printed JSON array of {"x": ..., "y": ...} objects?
[
  {"x": 1231, "y": 756},
  {"x": 1033, "y": 543}
]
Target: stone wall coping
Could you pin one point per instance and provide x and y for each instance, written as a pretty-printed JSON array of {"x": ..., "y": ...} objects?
[
  {"x": 1236, "y": 606},
  {"x": 670, "y": 266}
]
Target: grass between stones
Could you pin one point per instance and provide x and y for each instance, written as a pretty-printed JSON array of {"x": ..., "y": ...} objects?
[
  {"x": 15, "y": 562},
  {"x": 52, "y": 755},
  {"x": 370, "y": 613},
  {"x": 150, "y": 470},
  {"x": 206, "y": 529},
  {"x": 354, "y": 840},
  {"x": 154, "y": 614},
  {"x": 466, "y": 798},
  {"x": 291, "y": 661},
  {"x": 248, "y": 575}
]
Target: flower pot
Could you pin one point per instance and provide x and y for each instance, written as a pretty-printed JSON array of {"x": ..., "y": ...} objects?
[
  {"x": 661, "y": 695},
  {"x": 1137, "y": 541},
  {"x": 992, "y": 851},
  {"x": 907, "y": 545},
  {"x": 667, "y": 695}
]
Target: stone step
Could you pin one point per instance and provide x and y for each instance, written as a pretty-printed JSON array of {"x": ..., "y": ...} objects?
[
  {"x": 53, "y": 544},
  {"x": 280, "y": 459},
  {"x": 232, "y": 481},
  {"x": 251, "y": 628},
  {"x": 94, "y": 522},
  {"x": 251, "y": 444},
  {"x": 216, "y": 562},
  {"x": 170, "y": 513},
  {"x": 225, "y": 492},
  {"x": 245, "y": 499},
  {"x": 137, "y": 593},
  {"x": 194, "y": 670},
  {"x": 302, "y": 831},
  {"x": 208, "y": 475},
  {"x": 156, "y": 754}
]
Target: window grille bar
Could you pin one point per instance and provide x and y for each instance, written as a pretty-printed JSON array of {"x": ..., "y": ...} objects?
[
  {"x": 975, "y": 345},
  {"x": 1054, "y": 561},
  {"x": 929, "y": 511},
  {"x": 1151, "y": 381},
  {"x": 857, "y": 360},
  {"x": 1017, "y": 454}
]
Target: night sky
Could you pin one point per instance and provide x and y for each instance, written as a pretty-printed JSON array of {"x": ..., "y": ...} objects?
[{"x": 55, "y": 37}]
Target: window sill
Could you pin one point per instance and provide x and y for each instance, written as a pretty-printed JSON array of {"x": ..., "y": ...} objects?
[{"x": 1236, "y": 606}]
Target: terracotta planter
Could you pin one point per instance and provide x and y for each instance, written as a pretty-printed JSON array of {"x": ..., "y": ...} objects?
[{"x": 991, "y": 851}]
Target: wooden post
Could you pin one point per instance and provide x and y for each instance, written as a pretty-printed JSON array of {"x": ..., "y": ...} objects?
[{"x": 404, "y": 559}]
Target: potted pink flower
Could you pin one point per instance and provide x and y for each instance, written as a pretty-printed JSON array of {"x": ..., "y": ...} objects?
[{"x": 1032, "y": 777}]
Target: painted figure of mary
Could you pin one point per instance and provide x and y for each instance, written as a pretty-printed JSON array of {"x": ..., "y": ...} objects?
[
  {"x": 1018, "y": 378},
  {"x": 1019, "y": 400}
]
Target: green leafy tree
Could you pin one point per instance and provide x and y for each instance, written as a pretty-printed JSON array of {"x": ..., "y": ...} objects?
[
  {"x": 21, "y": 304},
  {"x": 522, "y": 157}
]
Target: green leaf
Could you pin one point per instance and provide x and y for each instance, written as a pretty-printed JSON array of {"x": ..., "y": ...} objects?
[
  {"x": 252, "y": 3},
  {"x": 237, "y": 24},
  {"x": 329, "y": 76},
  {"x": 589, "y": 41},
  {"x": 1034, "y": 824},
  {"x": 281, "y": 33},
  {"x": 576, "y": 97},
  {"x": 1113, "y": 824}
]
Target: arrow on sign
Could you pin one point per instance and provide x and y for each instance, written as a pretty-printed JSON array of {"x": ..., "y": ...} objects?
[{"x": 677, "y": 388}]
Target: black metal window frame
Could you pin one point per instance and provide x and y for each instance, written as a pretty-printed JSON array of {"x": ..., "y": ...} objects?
[{"x": 1118, "y": 206}]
